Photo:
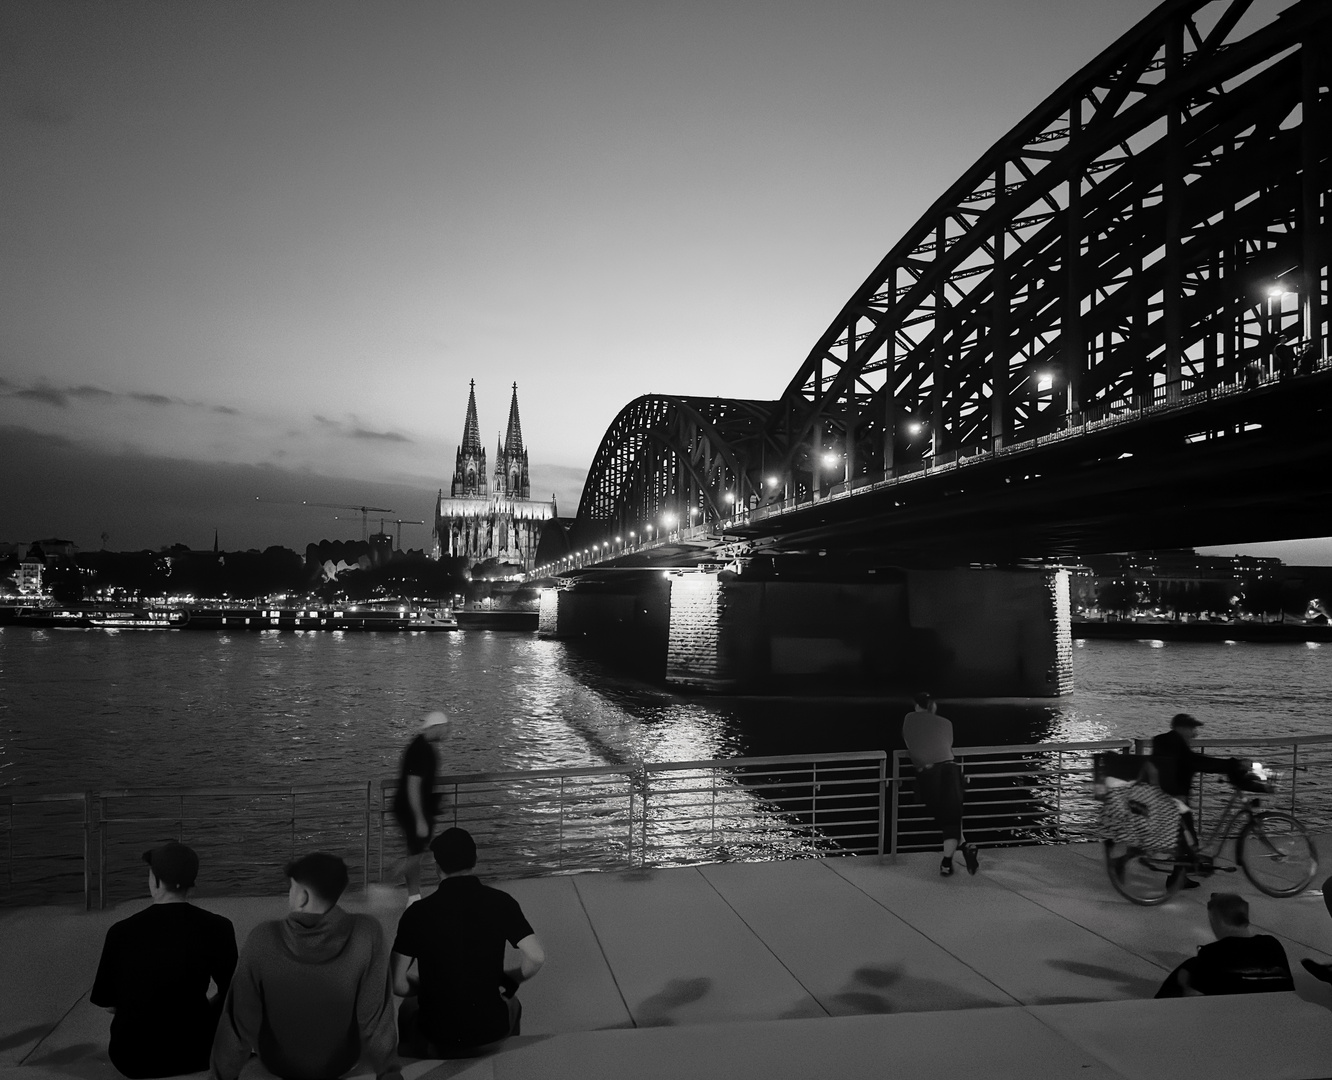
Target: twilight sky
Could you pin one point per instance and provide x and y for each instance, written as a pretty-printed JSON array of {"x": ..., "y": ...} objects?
[{"x": 258, "y": 249}]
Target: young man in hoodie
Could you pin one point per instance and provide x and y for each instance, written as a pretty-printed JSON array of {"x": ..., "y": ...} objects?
[{"x": 311, "y": 991}]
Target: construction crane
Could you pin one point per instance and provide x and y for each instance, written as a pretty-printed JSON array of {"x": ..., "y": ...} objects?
[
  {"x": 399, "y": 522},
  {"x": 364, "y": 511}
]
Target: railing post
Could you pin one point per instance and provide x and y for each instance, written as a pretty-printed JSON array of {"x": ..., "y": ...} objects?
[
  {"x": 629, "y": 848},
  {"x": 896, "y": 808},
  {"x": 1059, "y": 793},
  {"x": 883, "y": 799},
  {"x": 101, "y": 855},
  {"x": 1294, "y": 772},
  {"x": 559, "y": 860},
  {"x": 365, "y": 842},
  {"x": 87, "y": 849}
]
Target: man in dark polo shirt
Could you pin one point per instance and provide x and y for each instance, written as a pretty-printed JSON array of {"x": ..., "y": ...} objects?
[
  {"x": 460, "y": 997},
  {"x": 155, "y": 970}
]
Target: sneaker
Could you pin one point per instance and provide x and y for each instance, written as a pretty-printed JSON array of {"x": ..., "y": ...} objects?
[
  {"x": 972, "y": 856},
  {"x": 1321, "y": 972},
  {"x": 946, "y": 868}
]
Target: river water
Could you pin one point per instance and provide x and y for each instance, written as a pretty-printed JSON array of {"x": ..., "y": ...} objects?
[{"x": 100, "y": 710}]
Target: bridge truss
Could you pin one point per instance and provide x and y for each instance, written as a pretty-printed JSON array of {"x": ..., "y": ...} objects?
[
  {"x": 1160, "y": 221},
  {"x": 1153, "y": 233}
]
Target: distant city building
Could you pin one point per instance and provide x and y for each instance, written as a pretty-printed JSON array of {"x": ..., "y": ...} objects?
[
  {"x": 490, "y": 516},
  {"x": 29, "y": 578}
]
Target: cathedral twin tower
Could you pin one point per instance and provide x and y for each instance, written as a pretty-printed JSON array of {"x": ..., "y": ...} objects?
[{"x": 488, "y": 516}]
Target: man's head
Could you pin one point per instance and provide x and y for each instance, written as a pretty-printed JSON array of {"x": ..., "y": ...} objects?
[
  {"x": 433, "y": 725},
  {"x": 1186, "y": 725},
  {"x": 454, "y": 851},
  {"x": 172, "y": 869},
  {"x": 923, "y": 701},
  {"x": 317, "y": 880},
  {"x": 1228, "y": 913}
]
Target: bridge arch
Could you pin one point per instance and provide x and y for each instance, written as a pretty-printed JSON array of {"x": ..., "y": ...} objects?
[
  {"x": 670, "y": 455},
  {"x": 1153, "y": 229}
]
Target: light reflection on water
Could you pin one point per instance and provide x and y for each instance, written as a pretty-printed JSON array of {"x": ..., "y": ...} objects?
[{"x": 91, "y": 710}]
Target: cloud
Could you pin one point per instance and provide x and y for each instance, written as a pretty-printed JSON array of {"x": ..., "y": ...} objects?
[
  {"x": 384, "y": 436},
  {"x": 155, "y": 399},
  {"x": 47, "y": 395},
  {"x": 86, "y": 391},
  {"x": 226, "y": 410}
]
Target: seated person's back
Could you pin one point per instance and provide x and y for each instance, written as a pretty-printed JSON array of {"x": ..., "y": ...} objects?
[
  {"x": 155, "y": 970},
  {"x": 1237, "y": 962},
  {"x": 457, "y": 936}
]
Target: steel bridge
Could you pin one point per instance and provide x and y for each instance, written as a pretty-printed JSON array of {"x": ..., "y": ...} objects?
[{"x": 1111, "y": 332}]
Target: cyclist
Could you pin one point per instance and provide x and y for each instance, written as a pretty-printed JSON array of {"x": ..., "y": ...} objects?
[{"x": 1176, "y": 764}]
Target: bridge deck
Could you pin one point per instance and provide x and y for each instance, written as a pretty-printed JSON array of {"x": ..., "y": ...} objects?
[{"x": 837, "y": 967}]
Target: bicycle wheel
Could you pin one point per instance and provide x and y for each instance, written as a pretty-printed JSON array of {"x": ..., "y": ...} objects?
[
  {"x": 1276, "y": 853},
  {"x": 1142, "y": 875}
]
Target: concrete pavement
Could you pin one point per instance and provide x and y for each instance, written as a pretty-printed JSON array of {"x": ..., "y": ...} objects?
[{"x": 841, "y": 967}]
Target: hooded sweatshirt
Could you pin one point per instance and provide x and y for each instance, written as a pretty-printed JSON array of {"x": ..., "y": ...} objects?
[{"x": 311, "y": 994}]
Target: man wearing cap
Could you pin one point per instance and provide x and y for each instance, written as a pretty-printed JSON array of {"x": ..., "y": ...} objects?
[
  {"x": 311, "y": 991},
  {"x": 415, "y": 802},
  {"x": 460, "y": 997},
  {"x": 155, "y": 970},
  {"x": 1177, "y": 763},
  {"x": 1237, "y": 962}
]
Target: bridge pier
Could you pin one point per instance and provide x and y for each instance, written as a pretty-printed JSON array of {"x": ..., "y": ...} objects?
[{"x": 970, "y": 633}]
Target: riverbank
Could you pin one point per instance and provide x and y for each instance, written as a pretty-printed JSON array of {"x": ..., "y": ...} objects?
[
  {"x": 847, "y": 967},
  {"x": 1255, "y": 632}
]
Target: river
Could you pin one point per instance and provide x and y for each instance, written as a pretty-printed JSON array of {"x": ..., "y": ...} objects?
[{"x": 100, "y": 710}]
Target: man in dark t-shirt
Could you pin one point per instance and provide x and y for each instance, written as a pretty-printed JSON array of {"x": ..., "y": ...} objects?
[
  {"x": 460, "y": 997},
  {"x": 155, "y": 970},
  {"x": 415, "y": 802},
  {"x": 1237, "y": 962}
]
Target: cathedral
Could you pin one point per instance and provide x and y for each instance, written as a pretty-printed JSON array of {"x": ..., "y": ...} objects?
[{"x": 488, "y": 516}]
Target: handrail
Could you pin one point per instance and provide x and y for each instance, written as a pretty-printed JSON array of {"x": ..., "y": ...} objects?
[{"x": 645, "y": 813}]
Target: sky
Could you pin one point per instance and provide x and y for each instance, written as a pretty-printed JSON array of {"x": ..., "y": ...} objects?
[{"x": 252, "y": 253}]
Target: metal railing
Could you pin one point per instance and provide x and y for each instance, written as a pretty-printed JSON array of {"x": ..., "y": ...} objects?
[
  {"x": 243, "y": 834},
  {"x": 1037, "y": 793},
  {"x": 606, "y": 818},
  {"x": 663, "y": 813},
  {"x": 54, "y": 830}
]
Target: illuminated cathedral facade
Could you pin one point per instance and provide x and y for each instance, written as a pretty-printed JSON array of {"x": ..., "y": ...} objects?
[{"x": 490, "y": 515}]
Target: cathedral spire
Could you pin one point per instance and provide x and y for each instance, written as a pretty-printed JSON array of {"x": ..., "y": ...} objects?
[
  {"x": 513, "y": 441},
  {"x": 471, "y": 443}
]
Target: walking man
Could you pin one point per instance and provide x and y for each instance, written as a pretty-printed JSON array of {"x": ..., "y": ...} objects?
[
  {"x": 311, "y": 991},
  {"x": 155, "y": 970},
  {"x": 415, "y": 802},
  {"x": 460, "y": 997},
  {"x": 929, "y": 741}
]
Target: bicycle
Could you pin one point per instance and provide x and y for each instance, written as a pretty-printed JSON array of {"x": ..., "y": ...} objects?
[{"x": 1272, "y": 847}]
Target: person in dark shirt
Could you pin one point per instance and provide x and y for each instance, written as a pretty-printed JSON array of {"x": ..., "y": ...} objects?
[
  {"x": 1177, "y": 763},
  {"x": 1237, "y": 962},
  {"x": 460, "y": 997},
  {"x": 415, "y": 802},
  {"x": 155, "y": 969}
]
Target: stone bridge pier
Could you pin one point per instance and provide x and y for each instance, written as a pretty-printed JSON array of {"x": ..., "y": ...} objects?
[{"x": 970, "y": 633}]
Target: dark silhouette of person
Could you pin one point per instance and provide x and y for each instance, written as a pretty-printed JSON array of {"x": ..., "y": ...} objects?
[
  {"x": 1237, "y": 962},
  {"x": 155, "y": 970},
  {"x": 929, "y": 741}
]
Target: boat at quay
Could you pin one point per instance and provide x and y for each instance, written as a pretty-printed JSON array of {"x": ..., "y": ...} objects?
[
  {"x": 394, "y": 615},
  {"x": 1170, "y": 630}
]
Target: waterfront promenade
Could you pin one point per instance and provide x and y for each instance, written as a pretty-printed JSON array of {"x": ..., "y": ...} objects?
[{"x": 842, "y": 967}]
